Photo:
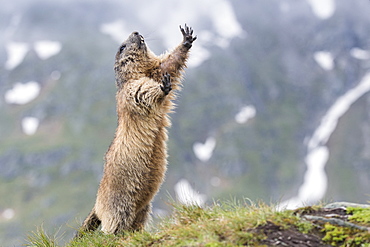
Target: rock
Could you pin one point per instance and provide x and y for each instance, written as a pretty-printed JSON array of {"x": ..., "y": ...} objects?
[{"x": 346, "y": 205}]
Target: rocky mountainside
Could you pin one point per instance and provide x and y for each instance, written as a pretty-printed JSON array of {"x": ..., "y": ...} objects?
[{"x": 275, "y": 104}]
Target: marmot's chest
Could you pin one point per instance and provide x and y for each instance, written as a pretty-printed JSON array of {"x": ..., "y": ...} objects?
[
  {"x": 155, "y": 73},
  {"x": 136, "y": 139}
]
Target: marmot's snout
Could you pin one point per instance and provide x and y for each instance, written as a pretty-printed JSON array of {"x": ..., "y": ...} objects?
[{"x": 136, "y": 38}]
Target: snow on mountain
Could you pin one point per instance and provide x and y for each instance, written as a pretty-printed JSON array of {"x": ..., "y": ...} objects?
[
  {"x": 315, "y": 181},
  {"x": 323, "y": 9},
  {"x": 30, "y": 125},
  {"x": 187, "y": 195},
  {"x": 341, "y": 106},
  {"x": 324, "y": 59},
  {"x": 46, "y": 48},
  {"x": 199, "y": 55},
  {"x": 204, "y": 151},
  {"x": 360, "y": 54},
  {"x": 16, "y": 52},
  {"x": 22, "y": 93},
  {"x": 246, "y": 113},
  {"x": 228, "y": 26},
  {"x": 7, "y": 214}
]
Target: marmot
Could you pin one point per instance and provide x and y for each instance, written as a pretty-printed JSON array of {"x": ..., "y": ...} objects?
[{"x": 136, "y": 161}]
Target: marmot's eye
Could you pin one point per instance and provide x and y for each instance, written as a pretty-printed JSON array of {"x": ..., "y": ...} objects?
[{"x": 122, "y": 48}]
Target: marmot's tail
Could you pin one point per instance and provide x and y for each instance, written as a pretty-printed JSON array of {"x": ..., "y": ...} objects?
[{"x": 91, "y": 223}]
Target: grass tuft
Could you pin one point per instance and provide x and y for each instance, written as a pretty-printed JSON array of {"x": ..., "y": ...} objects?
[{"x": 41, "y": 239}]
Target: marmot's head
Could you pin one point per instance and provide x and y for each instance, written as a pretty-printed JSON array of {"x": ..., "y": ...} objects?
[{"x": 129, "y": 58}]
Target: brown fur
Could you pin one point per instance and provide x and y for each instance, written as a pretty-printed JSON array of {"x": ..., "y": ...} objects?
[{"x": 136, "y": 161}]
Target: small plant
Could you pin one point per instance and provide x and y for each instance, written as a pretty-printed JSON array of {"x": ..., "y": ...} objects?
[{"x": 41, "y": 239}]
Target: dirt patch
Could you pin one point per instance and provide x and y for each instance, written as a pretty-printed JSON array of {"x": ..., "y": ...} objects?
[
  {"x": 330, "y": 226},
  {"x": 277, "y": 236}
]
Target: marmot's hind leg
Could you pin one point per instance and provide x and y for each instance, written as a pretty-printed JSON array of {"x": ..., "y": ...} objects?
[
  {"x": 142, "y": 218},
  {"x": 91, "y": 223},
  {"x": 119, "y": 222},
  {"x": 126, "y": 221}
]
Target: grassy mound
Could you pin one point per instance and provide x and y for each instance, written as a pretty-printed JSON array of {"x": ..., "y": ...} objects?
[{"x": 238, "y": 224}]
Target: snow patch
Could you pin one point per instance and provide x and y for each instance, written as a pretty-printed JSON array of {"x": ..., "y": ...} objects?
[
  {"x": 22, "y": 93},
  {"x": 360, "y": 54},
  {"x": 315, "y": 180},
  {"x": 198, "y": 56},
  {"x": 187, "y": 195},
  {"x": 16, "y": 51},
  {"x": 46, "y": 48},
  {"x": 324, "y": 59},
  {"x": 8, "y": 214},
  {"x": 228, "y": 26},
  {"x": 323, "y": 9},
  {"x": 204, "y": 151},
  {"x": 330, "y": 120},
  {"x": 246, "y": 113},
  {"x": 117, "y": 30},
  {"x": 30, "y": 125}
]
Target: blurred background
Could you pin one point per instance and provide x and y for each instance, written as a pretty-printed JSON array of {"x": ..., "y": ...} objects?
[{"x": 274, "y": 108}]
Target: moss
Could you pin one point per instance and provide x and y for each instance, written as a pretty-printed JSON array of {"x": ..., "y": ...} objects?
[
  {"x": 360, "y": 215},
  {"x": 334, "y": 235},
  {"x": 344, "y": 236}
]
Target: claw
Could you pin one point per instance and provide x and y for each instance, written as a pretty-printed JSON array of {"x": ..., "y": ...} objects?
[
  {"x": 166, "y": 81},
  {"x": 182, "y": 30},
  {"x": 187, "y": 33}
]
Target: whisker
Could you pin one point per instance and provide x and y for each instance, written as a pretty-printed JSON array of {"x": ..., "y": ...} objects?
[
  {"x": 152, "y": 39},
  {"x": 148, "y": 34}
]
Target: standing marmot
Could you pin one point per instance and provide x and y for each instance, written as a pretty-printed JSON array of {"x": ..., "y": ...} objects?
[{"x": 135, "y": 163}]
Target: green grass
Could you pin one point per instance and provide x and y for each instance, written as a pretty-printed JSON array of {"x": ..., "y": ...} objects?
[
  {"x": 223, "y": 224},
  {"x": 42, "y": 239}
]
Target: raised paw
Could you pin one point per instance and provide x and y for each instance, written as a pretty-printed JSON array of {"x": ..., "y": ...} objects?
[
  {"x": 166, "y": 83},
  {"x": 187, "y": 33}
]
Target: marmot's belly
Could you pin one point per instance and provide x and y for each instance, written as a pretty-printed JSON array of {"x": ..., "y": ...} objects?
[{"x": 138, "y": 190}]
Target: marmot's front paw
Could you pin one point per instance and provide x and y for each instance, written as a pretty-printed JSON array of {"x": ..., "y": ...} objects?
[
  {"x": 187, "y": 34},
  {"x": 166, "y": 81}
]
